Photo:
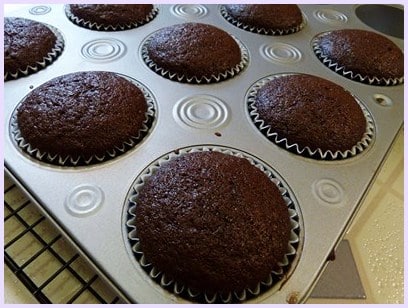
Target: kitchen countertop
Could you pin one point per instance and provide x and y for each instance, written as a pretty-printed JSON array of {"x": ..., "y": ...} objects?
[{"x": 375, "y": 238}]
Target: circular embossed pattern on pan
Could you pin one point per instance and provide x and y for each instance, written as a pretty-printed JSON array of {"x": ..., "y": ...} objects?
[
  {"x": 278, "y": 275},
  {"x": 330, "y": 16},
  {"x": 201, "y": 111},
  {"x": 103, "y": 50},
  {"x": 329, "y": 191},
  {"x": 40, "y": 10},
  {"x": 189, "y": 10},
  {"x": 281, "y": 53},
  {"x": 84, "y": 200}
]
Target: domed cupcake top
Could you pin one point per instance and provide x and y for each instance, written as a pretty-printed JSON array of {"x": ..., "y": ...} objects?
[
  {"x": 212, "y": 221},
  {"x": 310, "y": 111},
  {"x": 82, "y": 114},
  {"x": 361, "y": 52},
  {"x": 110, "y": 17},
  {"x": 271, "y": 19},
  {"x": 28, "y": 46},
  {"x": 193, "y": 51}
]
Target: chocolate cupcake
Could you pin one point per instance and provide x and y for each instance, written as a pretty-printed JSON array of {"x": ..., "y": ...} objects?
[
  {"x": 110, "y": 17},
  {"x": 29, "y": 46},
  {"x": 361, "y": 55},
  {"x": 310, "y": 116},
  {"x": 268, "y": 19},
  {"x": 194, "y": 53},
  {"x": 212, "y": 224},
  {"x": 82, "y": 118}
]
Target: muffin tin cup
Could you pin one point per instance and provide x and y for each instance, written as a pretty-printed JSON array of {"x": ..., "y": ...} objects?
[
  {"x": 275, "y": 278},
  {"x": 197, "y": 79},
  {"x": 263, "y": 31},
  {"x": 103, "y": 27},
  {"x": 283, "y": 142},
  {"x": 69, "y": 161},
  {"x": 342, "y": 70},
  {"x": 48, "y": 59}
]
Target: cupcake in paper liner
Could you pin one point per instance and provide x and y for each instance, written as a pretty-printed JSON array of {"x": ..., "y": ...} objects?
[
  {"x": 213, "y": 225},
  {"x": 29, "y": 46},
  {"x": 267, "y": 19},
  {"x": 82, "y": 118},
  {"x": 194, "y": 53},
  {"x": 110, "y": 17},
  {"x": 361, "y": 55},
  {"x": 310, "y": 116}
]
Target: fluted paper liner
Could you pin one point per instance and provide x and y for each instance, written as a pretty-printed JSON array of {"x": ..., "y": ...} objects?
[
  {"x": 69, "y": 161},
  {"x": 49, "y": 58},
  {"x": 342, "y": 70},
  {"x": 197, "y": 79},
  {"x": 267, "y": 130},
  {"x": 276, "y": 277},
  {"x": 118, "y": 27},
  {"x": 264, "y": 31}
]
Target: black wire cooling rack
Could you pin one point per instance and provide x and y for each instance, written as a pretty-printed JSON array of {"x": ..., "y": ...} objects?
[{"x": 44, "y": 260}]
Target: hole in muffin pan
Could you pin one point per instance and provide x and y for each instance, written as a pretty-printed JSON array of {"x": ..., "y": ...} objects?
[
  {"x": 383, "y": 18},
  {"x": 383, "y": 100},
  {"x": 276, "y": 279}
]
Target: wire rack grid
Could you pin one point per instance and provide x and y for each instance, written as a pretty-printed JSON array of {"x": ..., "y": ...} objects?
[{"x": 42, "y": 258}]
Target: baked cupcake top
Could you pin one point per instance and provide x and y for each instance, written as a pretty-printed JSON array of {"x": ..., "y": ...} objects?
[
  {"x": 264, "y": 18},
  {"x": 82, "y": 114},
  {"x": 27, "y": 44},
  {"x": 311, "y": 112},
  {"x": 192, "y": 50},
  {"x": 362, "y": 52},
  {"x": 212, "y": 222},
  {"x": 110, "y": 16}
]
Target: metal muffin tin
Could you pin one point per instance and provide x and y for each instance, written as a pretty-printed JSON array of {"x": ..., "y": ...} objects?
[{"x": 88, "y": 203}]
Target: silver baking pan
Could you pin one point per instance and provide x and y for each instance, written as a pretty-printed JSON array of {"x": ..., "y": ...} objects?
[{"x": 89, "y": 203}]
